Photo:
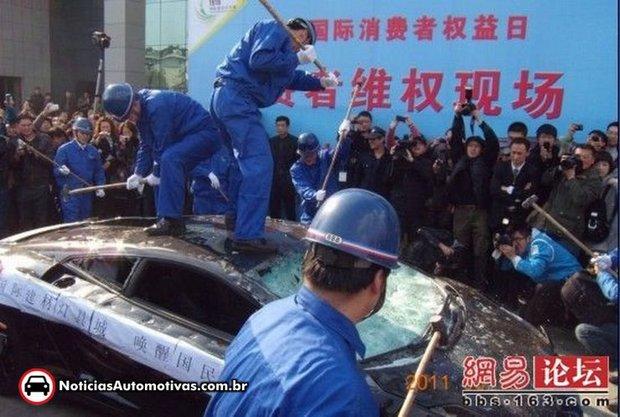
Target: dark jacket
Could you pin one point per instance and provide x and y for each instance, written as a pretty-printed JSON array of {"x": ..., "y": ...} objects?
[
  {"x": 542, "y": 166},
  {"x": 373, "y": 174},
  {"x": 284, "y": 153},
  {"x": 469, "y": 181},
  {"x": 30, "y": 169},
  {"x": 509, "y": 205},
  {"x": 411, "y": 187},
  {"x": 7, "y": 150},
  {"x": 569, "y": 199}
]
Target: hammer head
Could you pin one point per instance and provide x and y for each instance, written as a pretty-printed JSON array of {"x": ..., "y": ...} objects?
[
  {"x": 439, "y": 325},
  {"x": 529, "y": 202}
]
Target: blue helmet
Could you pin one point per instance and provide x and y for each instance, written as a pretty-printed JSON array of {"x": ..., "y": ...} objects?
[
  {"x": 82, "y": 124},
  {"x": 307, "y": 142},
  {"x": 360, "y": 223},
  {"x": 117, "y": 100}
]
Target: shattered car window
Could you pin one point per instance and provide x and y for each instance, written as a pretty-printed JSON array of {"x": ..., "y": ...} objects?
[{"x": 411, "y": 299}]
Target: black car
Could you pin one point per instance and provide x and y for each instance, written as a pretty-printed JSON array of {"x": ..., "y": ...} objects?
[{"x": 102, "y": 301}]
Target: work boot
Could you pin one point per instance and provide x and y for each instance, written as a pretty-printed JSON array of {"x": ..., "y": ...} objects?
[
  {"x": 252, "y": 246},
  {"x": 166, "y": 226}
]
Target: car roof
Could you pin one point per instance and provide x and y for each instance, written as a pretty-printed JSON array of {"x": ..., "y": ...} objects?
[{"x": 206, "y": 239}]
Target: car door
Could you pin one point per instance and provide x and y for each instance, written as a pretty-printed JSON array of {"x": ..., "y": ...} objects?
[{"x": 94, "y": 334}]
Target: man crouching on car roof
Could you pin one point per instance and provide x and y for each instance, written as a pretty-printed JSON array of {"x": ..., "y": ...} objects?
[{"x": 298, "y": 354}]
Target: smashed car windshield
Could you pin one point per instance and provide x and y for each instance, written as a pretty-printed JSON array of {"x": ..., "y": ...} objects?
[{"x": 411, "y": 299}]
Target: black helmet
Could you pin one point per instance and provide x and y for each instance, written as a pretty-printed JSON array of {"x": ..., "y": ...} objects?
[{"x": 301, "y": 23}]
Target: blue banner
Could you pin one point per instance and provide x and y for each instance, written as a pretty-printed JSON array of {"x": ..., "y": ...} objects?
[{"x": 538, "y": 62}]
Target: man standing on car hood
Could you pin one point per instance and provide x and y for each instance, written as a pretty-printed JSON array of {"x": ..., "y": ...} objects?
[{"x": 298, "y": 355}]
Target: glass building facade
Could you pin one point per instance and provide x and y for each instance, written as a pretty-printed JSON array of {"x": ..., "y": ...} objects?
[{"x": 166, "y": 44}]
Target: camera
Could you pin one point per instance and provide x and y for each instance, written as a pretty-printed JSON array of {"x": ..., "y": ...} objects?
[
  {"x": 503, "y": 237},
  {"x": 468, "y": 107},
  {"x": 547, "y": 146},
  {"x": 401, "y": 119},
  {"x": 100, "y": 39},
  {"x": 571, "y": 162},
  {"x": 578, "y": 127},
  {"x": 401, "y": 147}
]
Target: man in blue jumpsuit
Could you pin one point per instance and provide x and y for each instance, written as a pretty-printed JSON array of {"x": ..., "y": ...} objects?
[
  {"x": 298, "y": 355},
  {"x": 253, "y": 75},
  {"x": 176, "y": 134},
  {"x": 214, "y": 182},
  {"x": 82, "y": 159},
  {"x": 309, "y": 171}
]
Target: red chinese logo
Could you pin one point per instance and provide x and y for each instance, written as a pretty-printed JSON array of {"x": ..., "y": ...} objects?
[{"x": 571, "y": 372}]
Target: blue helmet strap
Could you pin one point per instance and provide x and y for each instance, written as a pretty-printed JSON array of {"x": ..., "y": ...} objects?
[{"x": 332, "y": 257}]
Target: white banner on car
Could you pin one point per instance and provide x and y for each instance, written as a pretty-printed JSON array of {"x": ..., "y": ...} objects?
[{"x": 72, "y": 306}]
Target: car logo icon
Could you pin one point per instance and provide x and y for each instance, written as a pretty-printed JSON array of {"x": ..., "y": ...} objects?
[{"x": 37, "y": 386}]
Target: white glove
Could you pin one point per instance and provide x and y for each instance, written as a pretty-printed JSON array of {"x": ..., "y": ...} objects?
[
  {"x": 510, "y": 189},
  {"x": 330, "y": 81},
  {"x": 320, "y": 195},
  {"x": 603, "y": 262},
  {"x": 306, "y": 55},
  {"x": 152, "y": 180},
  {"x": 344, "y": 127},
  {"x": 134, "y": 182},
  {"x": 215, "y": 181},
  {"x": 64, "y": 170},
  {"x": 100, "y": 193}
]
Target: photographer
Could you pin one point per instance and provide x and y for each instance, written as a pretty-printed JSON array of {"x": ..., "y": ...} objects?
[
  {"x": 6, "y": 153},
  {"x": 411, "y": 179},
  {"x": 360, "y": 126},
  {"x": 511, "y": 184},
  {"x": 545, "y": 262},
  {"x": 104, "y": 139},
  {"x": 373, "y": 166},
  {"x": 545, "y": 155},
  {"x": 43, "y": 122},
  {"x": 516, "y": 130},
  {"x": 391, "y": 139},
  {"x": 575, "y": 184},
  {"x": 469, "y": 187}
]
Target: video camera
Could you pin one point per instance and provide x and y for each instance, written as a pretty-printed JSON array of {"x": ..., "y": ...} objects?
[
  {"x": 573, "y": 161},
  {"x": 401, "y": 147},
  {"x": 468, "y": 107},
  {"x": 100, "y": 39},
  {"x": 503, "y": 237}
]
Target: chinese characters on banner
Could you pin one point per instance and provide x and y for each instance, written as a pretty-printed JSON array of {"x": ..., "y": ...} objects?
[
  {"x": 538, "y": 93},
  {"x": 484, "y": 27},
  {"x": 548, "y": 373}
]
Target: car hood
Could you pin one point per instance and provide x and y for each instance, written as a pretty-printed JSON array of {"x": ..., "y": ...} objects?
[{"x": 477, "y": 326}]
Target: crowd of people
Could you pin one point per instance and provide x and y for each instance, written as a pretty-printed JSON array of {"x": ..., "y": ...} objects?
[
  {"x": 460, "y": 200},
  {"x": 464, "y": 202}
]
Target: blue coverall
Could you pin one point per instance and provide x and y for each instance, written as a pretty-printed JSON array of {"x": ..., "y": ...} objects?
[
  {"x": 84, "y": 161},
  {"x": 253, "y": 75},
  {"x": 308, "y": 179},
  {"x": 298, "y": 356},
  {"x": 208, "y": 200},
  {"x": 546, "y": 260},
  {"x": 176, "y": 133}
]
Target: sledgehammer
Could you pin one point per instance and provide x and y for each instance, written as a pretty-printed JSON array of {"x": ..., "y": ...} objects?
[
  {"x": 530, "y": 202},
  {"x": 439, "y": 332}
]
